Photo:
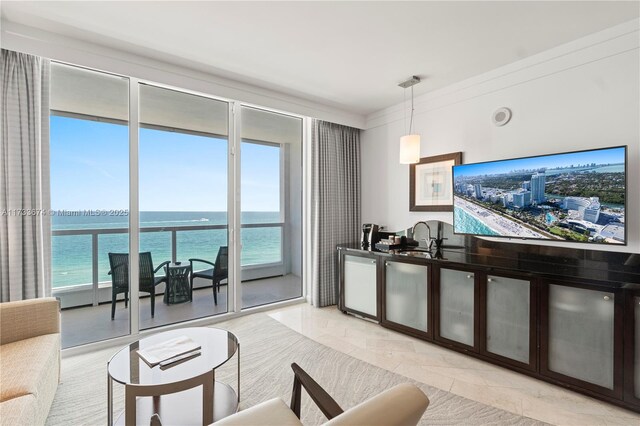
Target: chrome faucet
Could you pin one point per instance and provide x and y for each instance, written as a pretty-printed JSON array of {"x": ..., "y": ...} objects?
[{"x": 429, "y": 240}]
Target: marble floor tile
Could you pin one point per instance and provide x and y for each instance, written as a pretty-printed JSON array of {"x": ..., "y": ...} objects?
[
  {"x": 449, "y": 370},
  {"x": 502, "y": 398},
  {"x": 420, "y": 374},
  {"x": 342, "y": 344},
  {"x": 389, "y": 345},
  {"x": 382, "y": 360},
  {"x": 614, "y": 421},
  {"x": 555, "y": 412}
]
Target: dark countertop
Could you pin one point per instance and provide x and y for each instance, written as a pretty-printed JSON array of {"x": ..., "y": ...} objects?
[{"x": 612, "y": 269}]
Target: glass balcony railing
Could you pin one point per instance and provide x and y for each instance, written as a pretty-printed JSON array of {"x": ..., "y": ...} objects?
[{"x": 80, "y": 256}]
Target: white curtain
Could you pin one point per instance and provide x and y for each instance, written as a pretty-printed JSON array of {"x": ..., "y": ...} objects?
[
  {"x": 335, "y": 203},
  {"x": 25, "y": 224}
]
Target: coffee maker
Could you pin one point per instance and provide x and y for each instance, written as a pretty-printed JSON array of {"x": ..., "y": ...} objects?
[{"x": 370, "y": 236}]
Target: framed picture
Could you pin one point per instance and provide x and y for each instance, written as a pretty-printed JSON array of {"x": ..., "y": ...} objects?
[{"x": 431, "y": 183}]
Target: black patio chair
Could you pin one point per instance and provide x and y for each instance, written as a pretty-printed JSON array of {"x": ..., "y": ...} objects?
[
  {"x": 219, "y": 270},
  {"x": 119, "y": 264}
]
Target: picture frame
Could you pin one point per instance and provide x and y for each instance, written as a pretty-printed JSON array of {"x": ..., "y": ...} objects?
[{"x": 431, "y": 183}]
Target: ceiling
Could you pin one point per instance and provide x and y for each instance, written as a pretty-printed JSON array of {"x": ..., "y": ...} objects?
[{"x": 350, "y": 55}]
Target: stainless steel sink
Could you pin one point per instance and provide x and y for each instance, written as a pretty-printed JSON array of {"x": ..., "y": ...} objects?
[{"x": 417, "y": 253}]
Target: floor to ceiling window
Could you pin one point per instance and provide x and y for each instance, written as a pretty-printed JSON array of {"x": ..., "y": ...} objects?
[
  {"x": 271, "y": 207},
  {"x": 183, "y": 155},
  {"x": 219, "y": 223},
  {"x": 89, "y": 147}
]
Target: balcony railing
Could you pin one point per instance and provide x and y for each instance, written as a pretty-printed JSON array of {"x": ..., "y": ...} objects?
[{"x": 174, "y": 230}]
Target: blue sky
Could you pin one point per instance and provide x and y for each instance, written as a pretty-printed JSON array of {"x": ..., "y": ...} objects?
[
  {"x": 178, "y": 172},
  {"x": 601, "y": 156}
]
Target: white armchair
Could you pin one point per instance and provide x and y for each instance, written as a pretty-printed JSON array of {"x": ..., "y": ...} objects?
[{"x": 401, "y": 405}]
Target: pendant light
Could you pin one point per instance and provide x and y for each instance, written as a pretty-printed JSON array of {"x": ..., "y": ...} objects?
[{"x": 410, "y": 143}]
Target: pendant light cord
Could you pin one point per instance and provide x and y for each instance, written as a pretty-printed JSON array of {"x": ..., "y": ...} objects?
[
  {"x": 411, "y": 121},
  {"x": 404, "y": 108}
]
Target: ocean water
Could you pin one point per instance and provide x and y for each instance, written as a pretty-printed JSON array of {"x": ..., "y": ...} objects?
[
  {"x": 72, "y": 256},
  {"x": 613, "y": 168},
  {"x": 465, "y": 223},
  {"x": 616, "y": 168}
]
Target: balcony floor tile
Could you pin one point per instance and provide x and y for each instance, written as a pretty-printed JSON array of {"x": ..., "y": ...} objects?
[{"x": 93, "y": 323}]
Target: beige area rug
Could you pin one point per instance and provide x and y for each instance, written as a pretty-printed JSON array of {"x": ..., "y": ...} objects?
[{"x": 268, "y": 349}]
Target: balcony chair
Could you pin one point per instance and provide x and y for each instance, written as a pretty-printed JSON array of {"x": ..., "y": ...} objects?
[
  {"x": 119, "y": 264},
  {"x": 399, "y": 406},
  {"x": 219, "y": 271}
]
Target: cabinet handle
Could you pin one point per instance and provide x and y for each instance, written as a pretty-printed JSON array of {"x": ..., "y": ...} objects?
[
  {"x": 607, "y": 297},
  {"x": 373, "y": 262},
  {"x": 489, "y": 280},
  {"x": 469, "y": 276}
]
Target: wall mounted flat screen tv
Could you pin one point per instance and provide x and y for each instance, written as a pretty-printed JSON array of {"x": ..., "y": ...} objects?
[{"x": 574, "y": 196}]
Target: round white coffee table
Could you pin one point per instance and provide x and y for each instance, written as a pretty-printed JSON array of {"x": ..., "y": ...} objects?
[{"x": 184, "y": 393}]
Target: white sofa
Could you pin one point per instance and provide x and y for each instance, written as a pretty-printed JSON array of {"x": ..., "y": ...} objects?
[{"x": 29, "y": 360}]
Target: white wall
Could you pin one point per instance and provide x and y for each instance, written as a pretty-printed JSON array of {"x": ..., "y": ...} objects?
[{"x": 585, "y": 94}]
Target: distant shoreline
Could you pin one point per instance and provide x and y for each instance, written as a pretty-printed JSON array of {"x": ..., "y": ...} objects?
[{"x": 501, "y": 225}]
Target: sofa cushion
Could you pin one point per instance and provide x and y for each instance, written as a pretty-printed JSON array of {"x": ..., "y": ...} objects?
[
  {"x": 20, "y": 411},
  {"x": 30, "y": 366},
  {"x": 24, "y": 319}
]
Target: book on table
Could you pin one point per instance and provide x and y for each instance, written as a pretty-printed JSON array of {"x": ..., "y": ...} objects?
[{"x": 164, "y": 352}]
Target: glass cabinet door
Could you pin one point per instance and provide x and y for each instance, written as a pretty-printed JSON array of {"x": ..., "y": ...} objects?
[
  {"x": 360, "y": 284},
  {"x": 581, "y": 334},
  {"x": 457, "y": 295},
  {"x": 508, "y": 314},
  {"x": 406, "y": 297}
]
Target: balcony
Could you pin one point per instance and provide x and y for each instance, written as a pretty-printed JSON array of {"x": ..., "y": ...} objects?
[{"x": 86, "y": 306}]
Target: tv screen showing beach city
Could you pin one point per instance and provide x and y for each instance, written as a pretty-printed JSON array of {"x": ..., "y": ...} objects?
[{"x": 576, "y": 196}]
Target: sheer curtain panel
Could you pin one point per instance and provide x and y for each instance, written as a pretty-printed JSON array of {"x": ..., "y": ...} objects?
[
  {"x": 335, "y": 203},
  {"x": 25, "y": 223}
]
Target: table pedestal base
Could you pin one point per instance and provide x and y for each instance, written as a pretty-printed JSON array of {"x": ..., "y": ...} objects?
[{"x": 185, "y": 408}]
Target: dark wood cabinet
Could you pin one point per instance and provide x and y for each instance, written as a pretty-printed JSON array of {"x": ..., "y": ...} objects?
[
  {"x": 581, "y": 336},
  {"x": 560, "y": 323},
  {"x": 492, "y": 313}
]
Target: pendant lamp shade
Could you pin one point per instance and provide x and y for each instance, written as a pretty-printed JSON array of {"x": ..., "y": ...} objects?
[
  {"x": 410, "y": 149},
  {"x": 410, "y": 144}
]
